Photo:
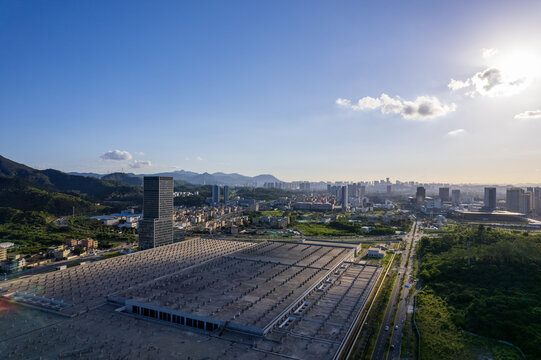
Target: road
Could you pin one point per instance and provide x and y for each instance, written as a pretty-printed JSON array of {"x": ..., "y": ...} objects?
[
  {"x": 402, "y": 312},
  {"x": 381, "y": 342}
]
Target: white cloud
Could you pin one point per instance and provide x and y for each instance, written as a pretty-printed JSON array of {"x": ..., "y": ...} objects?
[
  {"x": 531, "y": 114},
  {"x": 457, "y": 84},
  {"x": 199, "y": 158},
  {"x": 116, "y": 155},
  {"x": 366, "y": 102},
  {"x": 422, "y": 108},
  {"x": 456, "y": 132},
  {"x": 489, "y": 52},
  {"x": 491, "y": 82},
  {"x": 506, "y": 74},
  {"x": 137, "y": 164},
  {"x": 140, "y": 153}
]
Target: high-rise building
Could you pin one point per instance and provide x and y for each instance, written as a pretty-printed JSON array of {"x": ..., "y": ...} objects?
[
  {"x": 363, "y": 191},
  {"x": 215, "y": 194},
  {"x": 444, "y": 194},
  {"x": 455, "y": 197},
  {"x": 420, "y": 196},
  {"x": 527, "y": 202},
  {"x": 156, "y": 227},
  {"x": 389, "y": 189},
  {"x": 345, "y": 198},
  {"x": 537, "y": 200},
  {"x": 514, "y": 199},
  {"x": 490, "y": 198},
  {"x": 226, "y": 194},
  {"x": 3, "y": 253}
]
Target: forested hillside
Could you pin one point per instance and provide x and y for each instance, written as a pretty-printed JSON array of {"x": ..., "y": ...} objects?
[
  {"x": 57, "y": 193},
  {"x": 496, "y": 296}
]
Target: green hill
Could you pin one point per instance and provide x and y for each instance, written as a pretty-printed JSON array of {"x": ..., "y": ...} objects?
[
  {"x": 129, "y": 179},
  {"x": 88, "y": 188},
  {"x": 18, "y": 194}
]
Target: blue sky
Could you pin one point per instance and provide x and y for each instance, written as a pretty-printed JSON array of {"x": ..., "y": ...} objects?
[{"x": 274, "y": 87}]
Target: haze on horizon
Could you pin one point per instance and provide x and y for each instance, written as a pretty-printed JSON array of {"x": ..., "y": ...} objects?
[{"x": 426, "y": 91}]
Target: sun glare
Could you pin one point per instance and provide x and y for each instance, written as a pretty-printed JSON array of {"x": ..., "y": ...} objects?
[{"x": 519, "y": 64}]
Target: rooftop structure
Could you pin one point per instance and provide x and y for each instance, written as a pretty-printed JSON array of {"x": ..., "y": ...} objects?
[{"x": 264, "y": 300}]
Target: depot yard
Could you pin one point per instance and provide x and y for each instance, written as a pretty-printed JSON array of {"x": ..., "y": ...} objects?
[{"x": 199, "y": 297}]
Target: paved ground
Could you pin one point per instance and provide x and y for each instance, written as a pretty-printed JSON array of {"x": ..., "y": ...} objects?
[
  {"x": 381, "y": 342},
  {"x": 402, "y": 313}
]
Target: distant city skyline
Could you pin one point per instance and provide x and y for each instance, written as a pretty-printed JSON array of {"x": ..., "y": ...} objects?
[{"x": 423, "y": 91}]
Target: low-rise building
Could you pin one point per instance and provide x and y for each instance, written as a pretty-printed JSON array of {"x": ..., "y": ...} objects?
[
  {"x": 13, "y": 264},
  {"x": 375, "y": 252},
  {"x": 61, "y": 254},
  {"x": 72, "y": 242},
  {"x": 89, "y": 243}
]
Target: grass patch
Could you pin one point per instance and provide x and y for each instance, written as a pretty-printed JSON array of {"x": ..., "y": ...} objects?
[
  {"x": 112, "y": 254},
  {"x": 272, "y": 213}
]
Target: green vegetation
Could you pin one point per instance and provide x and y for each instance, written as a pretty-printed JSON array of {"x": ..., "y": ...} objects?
[
  {"x": 112, "y": 254},
  {"x": 272, "y": 213},
  {"x": 205, "y": 191},
  {"x": 24, "y": 188},
  {"x": 496, "y": 296},
  {"x": 261, "y": 193},
  {"x": 339, "y": 228},
  {"x": 450, "y": 228},
  {"x": 17, "y": 194},
  {"x": 34, "y": 231},
  {"x": 129, "y": 179}
]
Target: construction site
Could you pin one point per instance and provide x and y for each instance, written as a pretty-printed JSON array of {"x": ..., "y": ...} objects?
[{"x": 197, "y": 299}]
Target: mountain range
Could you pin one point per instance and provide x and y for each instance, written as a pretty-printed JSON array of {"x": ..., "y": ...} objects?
[
  {"x": 218, "y": 178},
  {"x": 25, "y": 188}
]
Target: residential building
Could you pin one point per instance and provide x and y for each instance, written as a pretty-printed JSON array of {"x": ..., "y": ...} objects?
[
  {"x": 226, "y": 194},
  {"x": 156, "y": 227},
  {"x": 490, "y": 199},
  {"x": 3, "y": 254},
  {"x": 514, "y": 200},
  {"x": 13, "y": 264},
  {"x": 455, "y": 197},
  {"x": 89, "y": 243},
  {"x": 72, "y": 242},
  {"x": 215, "y": 194},
  {"x": 537, "y": 200},
  {"x": 420, "y": 195},
  {"x": 527, "y": 202},
  {"x": 444, "y": 193},
  {"x": 345, "y": 198}
]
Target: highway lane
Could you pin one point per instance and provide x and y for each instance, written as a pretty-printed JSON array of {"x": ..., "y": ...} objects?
[
  {"x": 402, "y": 314},
  {"x": 379, "y": 348}
]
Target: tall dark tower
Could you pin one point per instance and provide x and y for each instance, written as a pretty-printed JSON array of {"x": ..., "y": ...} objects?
[
  {"x": 156, "y": 227},
  {"x": 490, "y": 198},
  {"x": 444, "y": 194},
  {"x": 420, "y": 196}
]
